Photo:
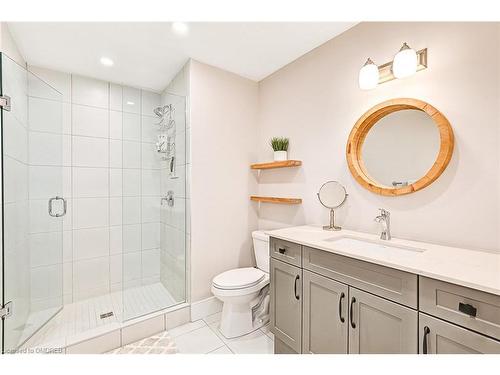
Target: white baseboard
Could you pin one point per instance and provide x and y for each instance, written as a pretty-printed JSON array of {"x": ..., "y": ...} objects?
[{"x": 205, "y": 307}]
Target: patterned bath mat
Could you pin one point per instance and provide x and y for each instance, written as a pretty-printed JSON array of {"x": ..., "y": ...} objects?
[{"x": 161, "y": 343}]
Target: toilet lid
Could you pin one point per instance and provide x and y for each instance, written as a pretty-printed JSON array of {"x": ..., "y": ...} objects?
[{"x": 238, "y": 278}]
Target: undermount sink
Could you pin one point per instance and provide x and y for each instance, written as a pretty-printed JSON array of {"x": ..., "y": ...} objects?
[{"x": 358, "y": 244}]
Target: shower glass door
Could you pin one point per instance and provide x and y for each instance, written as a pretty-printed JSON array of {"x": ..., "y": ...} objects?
[
  {"x": 33, "y": 206},
  {"x": 154, "y": 208}
]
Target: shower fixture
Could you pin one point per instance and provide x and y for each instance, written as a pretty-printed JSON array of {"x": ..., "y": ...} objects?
[
  {"x": 166, "y": 137},
  {"x": 166, "y": 115}
]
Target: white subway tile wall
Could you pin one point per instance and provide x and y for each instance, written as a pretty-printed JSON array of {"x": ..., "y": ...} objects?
[
  {"x": 112, "y": 180},
  {"x": 94, "y": 144}
]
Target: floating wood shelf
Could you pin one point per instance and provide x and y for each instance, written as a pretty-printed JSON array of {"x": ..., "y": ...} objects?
[
  {"x": 277, "y": 164},
  {"x": 276, "y": 200}
]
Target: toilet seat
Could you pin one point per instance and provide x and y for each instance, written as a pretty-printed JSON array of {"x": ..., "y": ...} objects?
[
  {"x": 239, "y": 278},
  {"x": 241, "y": 292}
]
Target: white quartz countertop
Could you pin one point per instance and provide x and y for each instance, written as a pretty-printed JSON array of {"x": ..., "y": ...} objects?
[{"x": 470, "y": 268}]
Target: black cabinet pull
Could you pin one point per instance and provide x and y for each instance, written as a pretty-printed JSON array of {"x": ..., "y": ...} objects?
[
  {"x": 467, "y": 309},
  {"x": 427, "y": 330},
  {"x": 295, "y": 287},
  {"x": 342, "y": 296},
  {"x": 353, "y": 325},
  {"x": 281, "y": 250}
]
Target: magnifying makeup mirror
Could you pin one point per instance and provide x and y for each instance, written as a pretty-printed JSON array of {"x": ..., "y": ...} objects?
[{"x": 332, "y": 195}]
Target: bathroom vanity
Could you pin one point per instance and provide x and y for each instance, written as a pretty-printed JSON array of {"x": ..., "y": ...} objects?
[{"x": 348, "y": 292}]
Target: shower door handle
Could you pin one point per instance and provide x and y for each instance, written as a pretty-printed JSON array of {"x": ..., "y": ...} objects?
[{"x": 65, "y": 206}]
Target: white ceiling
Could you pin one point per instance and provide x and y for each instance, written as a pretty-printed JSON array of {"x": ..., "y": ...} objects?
[{"x": 149, "y": 55}]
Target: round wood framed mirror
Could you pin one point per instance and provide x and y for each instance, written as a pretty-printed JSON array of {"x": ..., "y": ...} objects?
[{"x": 399, "y": 146}]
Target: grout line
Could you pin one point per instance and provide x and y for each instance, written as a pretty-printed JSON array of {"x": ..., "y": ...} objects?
[{"x": 224, "y": 345}]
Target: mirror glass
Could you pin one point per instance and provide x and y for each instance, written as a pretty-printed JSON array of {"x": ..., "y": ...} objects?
[
  {"x": 332, "y": 194},
  {"x": 401, "y": 148}
]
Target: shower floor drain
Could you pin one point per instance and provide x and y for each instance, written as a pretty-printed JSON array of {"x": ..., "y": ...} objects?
[{"x": 106, "y": 315}]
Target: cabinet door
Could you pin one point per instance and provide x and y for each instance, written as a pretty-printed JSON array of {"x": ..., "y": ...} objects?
[
  {"x": 325, "y": 323},
  {"x": 439, "y": 337},
  {"x": 286, "y": 303},
  {"x": 378, "y": 326}
]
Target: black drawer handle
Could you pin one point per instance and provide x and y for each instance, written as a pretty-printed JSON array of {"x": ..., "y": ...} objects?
[
  {"x": 467, "y": 309},
  {"x": 295, "y": 287},
  {"x": 351, "y": 312},
  {"x": 342, "y": 296},
  {"x": 281, "y": 250},
  {"x": 427, "y": 330}
]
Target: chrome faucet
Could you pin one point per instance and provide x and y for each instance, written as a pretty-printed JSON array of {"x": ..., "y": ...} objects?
[{"x": 385, "y": 219}]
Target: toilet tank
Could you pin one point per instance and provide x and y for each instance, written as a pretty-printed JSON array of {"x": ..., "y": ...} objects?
[{"x": 261, "y": 249}]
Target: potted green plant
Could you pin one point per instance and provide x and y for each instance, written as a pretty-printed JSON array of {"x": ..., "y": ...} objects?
[{"x": 280, "y": 147}]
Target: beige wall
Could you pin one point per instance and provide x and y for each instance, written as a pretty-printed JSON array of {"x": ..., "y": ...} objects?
[
  {"x": 316, "y": 100},
  {"x": 223, "y": 138}
]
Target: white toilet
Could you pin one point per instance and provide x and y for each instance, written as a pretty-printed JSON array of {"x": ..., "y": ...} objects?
[{"x": 245, "y": 292}]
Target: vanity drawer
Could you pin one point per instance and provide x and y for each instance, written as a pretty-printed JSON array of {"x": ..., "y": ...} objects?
[
  {"x": 285, "y": 251},
  {"x": 459, "y": 304},
  {"x": 395, "y": 285}
]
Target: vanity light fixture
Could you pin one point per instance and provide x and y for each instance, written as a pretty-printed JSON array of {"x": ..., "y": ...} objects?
[
  {"x": 405, "y": 62},
  {"x": 368, "y": 75},
  {"x": 106, "y": 61}
]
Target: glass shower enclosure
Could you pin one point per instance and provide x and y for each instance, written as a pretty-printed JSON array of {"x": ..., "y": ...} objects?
[
  {"x": 36, "y": 211},
  {"x": 33, "y": 206},
  {"x": 154, "y": 211}
]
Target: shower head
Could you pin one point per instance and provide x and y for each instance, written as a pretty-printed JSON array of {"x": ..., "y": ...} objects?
[
  {"x": 162, "y": 111},
  {"x": 159, "y": 111}
]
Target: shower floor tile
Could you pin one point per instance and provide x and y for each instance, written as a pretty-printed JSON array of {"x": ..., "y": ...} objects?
[{"x": 83, "y": 318}]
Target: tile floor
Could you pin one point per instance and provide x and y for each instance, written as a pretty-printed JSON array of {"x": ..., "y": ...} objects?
[
  {"x": 160, "y": 343},
  {"x": 203, "y": 337}
]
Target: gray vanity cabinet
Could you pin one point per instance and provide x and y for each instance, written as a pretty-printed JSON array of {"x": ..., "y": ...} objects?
[
  {"x": 286, "y": 305},
  {"x": 325, "y": 321},
  {"x": 440, "y": 337},
  {"x": 327, "y": 303},
  {"x": 379, "y": 326}
]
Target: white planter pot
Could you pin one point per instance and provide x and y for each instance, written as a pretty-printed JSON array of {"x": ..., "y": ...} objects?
[{"x": 280, "y": 155}]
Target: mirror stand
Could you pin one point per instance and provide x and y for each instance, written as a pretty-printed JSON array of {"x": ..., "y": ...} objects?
[{"x": 332, "y": 222}]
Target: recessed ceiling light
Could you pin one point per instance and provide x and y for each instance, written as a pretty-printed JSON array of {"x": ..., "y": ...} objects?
[
  {"x": 130, "y": 103},
  {"x": 180, "y": 28},
  {"x": 106, "y": 61}
]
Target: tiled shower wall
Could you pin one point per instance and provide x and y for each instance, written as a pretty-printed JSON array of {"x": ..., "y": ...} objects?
[{"x": 111, "y": 179}]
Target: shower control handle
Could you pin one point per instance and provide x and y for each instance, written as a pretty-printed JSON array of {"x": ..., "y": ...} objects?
[
  {"x": 65, "y": 206},
  {"x": 169, "y": 198}
]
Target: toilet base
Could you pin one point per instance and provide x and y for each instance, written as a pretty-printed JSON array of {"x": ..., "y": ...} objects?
[
  {"x": 237, "y": 317},
  {"x": 237, "y": 321}
]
